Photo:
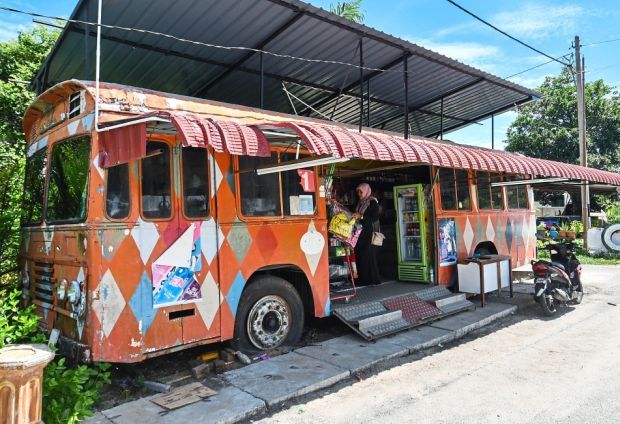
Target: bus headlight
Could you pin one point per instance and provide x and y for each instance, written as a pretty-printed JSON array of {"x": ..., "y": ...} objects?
[
  {"x": 61, "y": 289},
  {"x": 73, "y": 292}
]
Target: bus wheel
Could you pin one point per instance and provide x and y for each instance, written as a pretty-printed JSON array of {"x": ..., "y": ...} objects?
[{"x": 270, "y": 314}]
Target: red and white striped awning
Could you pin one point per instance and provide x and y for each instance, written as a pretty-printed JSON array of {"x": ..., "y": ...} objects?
[{"x": 340, "y": 141}]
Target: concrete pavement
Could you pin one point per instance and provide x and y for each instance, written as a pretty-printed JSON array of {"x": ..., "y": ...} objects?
[{"x": 261, "y": 386}]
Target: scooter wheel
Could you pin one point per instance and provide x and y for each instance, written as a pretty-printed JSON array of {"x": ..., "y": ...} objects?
[
  {"x": 547, "y": 303},
  {"x": 578, "y": 295}
]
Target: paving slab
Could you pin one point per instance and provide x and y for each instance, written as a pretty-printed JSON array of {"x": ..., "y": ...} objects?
[
  {"x": 466, "y": 322},
  {"x": 422, "y": 337},
  {"x": 229, "y": 405},
  {"x": 353, "y": 353},
  {"x": 285, "y": 377}
]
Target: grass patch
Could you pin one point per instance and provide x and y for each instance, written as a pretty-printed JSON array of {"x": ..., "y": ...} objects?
[{"x": 583, "y": 256}]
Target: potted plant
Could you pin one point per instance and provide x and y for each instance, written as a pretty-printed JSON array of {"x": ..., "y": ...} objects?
[
  {"x": 541, "y": 230},
  {"x": 564, "y": 228},
  {"x": 553, "y": 232},
  {"x": 577, "y": 228}
]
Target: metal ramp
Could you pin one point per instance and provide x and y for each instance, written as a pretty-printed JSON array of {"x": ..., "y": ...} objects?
[{"x": 378, "y": 311}]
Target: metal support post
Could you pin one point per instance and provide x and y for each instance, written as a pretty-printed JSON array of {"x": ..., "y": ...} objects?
[
  {"x": 86, "y": 56},
  {"x": 262, "y": 81},
  {"x": 492, "y": 131},
  {"x": 368, "y": 102},
  {"x": 583, "y": 153},
  {"x": 441, "y": 121},
  {"x": 361, "y": 123},
  {"x": 406, "y": 103}
]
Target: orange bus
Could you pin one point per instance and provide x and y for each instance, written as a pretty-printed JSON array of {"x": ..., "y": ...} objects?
[{"x": 167, "y": 222}]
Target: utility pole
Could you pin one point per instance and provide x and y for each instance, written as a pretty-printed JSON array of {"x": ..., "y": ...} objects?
[{"x": 583, "y": 153}]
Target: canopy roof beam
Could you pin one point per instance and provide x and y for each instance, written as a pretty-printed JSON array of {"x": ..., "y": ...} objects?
[{"x": 204, "y": 90}]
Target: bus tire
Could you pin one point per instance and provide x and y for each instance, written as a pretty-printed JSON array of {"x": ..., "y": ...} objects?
[
  {"x": 270, "y": 314},
  {"x": 611, "y": 237}
]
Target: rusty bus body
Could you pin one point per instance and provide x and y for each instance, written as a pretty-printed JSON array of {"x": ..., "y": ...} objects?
[{"x": 93, "y": 237}]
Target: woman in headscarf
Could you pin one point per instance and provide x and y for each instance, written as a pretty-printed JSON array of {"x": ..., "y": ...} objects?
[{"x": 366, "y": 253}]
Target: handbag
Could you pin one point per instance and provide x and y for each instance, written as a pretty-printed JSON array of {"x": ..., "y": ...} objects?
[{"x": 377, "y": 235}]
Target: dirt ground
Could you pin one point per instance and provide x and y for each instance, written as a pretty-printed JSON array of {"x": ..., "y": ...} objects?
[
  {"x": 128, "y": 380},
  {"x": 564, "y": 369}
]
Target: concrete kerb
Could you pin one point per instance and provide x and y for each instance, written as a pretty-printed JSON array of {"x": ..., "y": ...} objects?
[{"x": 266, "y": 384}]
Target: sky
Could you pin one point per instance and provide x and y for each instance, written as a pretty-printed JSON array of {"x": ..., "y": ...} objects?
[{"x": 548, "y": 25}]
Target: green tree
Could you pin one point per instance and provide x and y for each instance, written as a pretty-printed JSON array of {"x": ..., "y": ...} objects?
[
  {"x": 19, "y": 61},
  {"x": 350, "y": 10},
  {"x": 548, "y": 128}
]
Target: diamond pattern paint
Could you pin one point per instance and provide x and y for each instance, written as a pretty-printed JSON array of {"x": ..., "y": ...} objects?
[
  {"x": 96, "y": 162},
  {"x": 525, "y": 237},
  {"x": 234, "y": 294},
  {"x": 210, "y": 240},
  {"x": 146, "y": 236},
  {"x": 239, "y": 239},
  {"x": 211, "y": 300},
  {"x": 499, "y": 234},
  {"x": 215, "y": 169},
  {"x": 468, "y": 235},
  {"x": 509, "y": 234},
  {"x": 479, "y": 230},
  {"x": 141, "y": 304},
  {"x": 109, "y": 303},
  {"x": 48, "y": 237},
  {"x": 72, "y": 126},
  {"x": 267, "y": 242},
  {"x": 490, "y": 231},
  {"x": 87, "y": 121}
]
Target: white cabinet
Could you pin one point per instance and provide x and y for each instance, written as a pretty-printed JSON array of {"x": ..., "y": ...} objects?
[{"x": 484, "y": 275}]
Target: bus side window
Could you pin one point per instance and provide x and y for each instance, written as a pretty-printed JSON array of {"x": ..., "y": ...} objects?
[
  {"x": 155, "y": 173},
  {"x": 292, "y": 190},
  {"x": 488, "y": 197},
  {"x": 259, "y": 194},
  {"x": 195, "y": 182},
  {"x": 517, "y": 195},
  {"x": 117, "y": 192},
  {"x": 448, "y": 191},
  {"x": 463, "y": 195}
]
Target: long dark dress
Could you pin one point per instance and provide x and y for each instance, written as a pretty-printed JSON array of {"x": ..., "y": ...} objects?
[{"x": 366, "y": 253}]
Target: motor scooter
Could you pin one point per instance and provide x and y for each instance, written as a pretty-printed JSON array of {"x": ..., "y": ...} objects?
[{"x": 558, "y": 282}]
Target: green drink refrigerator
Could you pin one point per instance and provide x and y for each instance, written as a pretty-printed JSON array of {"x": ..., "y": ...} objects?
[{"x": 411, "y": 233}]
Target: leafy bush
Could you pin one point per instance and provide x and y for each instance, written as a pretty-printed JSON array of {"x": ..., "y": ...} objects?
[
  {"x": 613, "y": 213},
  {"x": 68, "y": 393},
  {"x": 17, "y": 324}
]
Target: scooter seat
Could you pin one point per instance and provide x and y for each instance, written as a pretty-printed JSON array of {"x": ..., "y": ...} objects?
[{"x": 559, "y": 265}]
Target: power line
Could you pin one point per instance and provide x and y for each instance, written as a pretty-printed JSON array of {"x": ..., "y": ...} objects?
[
  {"x": 199, "y": 43},
  {"x": 538, "y": 66},
  {"x": 613, "y": 40},
  {"x": 473, "y": 15}
]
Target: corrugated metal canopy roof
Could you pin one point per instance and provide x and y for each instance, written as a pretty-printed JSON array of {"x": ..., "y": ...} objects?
[{"x": 286, "y": 27}]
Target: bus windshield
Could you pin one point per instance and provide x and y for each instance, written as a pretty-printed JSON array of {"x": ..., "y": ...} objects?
[
  {"x": 34, "y": 184},
  {"x": 66, "y": 194}
]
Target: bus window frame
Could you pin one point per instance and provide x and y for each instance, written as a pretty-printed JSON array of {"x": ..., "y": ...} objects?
[
  {"x": 50, "y": 148},
  {"x": 43, "y": 199},
  {"x": 472, "y": 200},
  {"x": 173, "y": 200},
  {"x": 210, "y": 195},
  {"x": 105, "y": 197},
  {"x": 282, "y": 216},
  {"x": 527, "y": 196},
  {"x": 503, "y": 206}
]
